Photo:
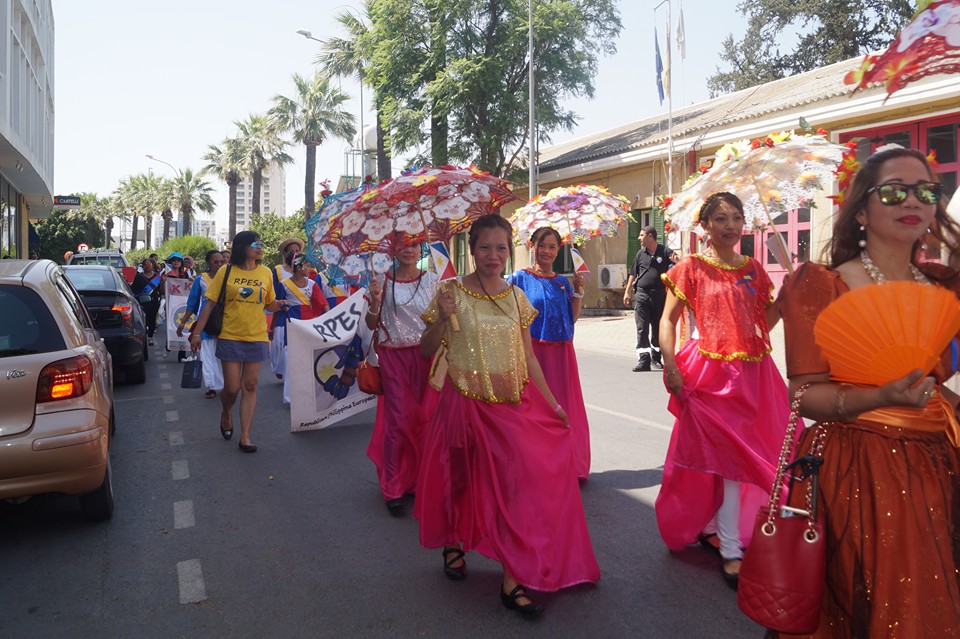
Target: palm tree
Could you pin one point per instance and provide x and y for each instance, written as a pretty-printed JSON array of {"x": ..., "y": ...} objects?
[
  {"x": 349, "y": 57},
  {"x": 113, "y": 208},
  {"x": 191, "y": 194},
  {"x": 226, "y": 162},
  {"x": 261, "y": 144},
  {"x": 165, "y": 199},
  {"x": 311, "y": 116},
  {"x": 135, "y": 193},
  {"x": 94, "y": 212}
]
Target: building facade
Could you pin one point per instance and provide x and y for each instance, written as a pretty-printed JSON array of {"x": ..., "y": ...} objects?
[
  {"x": 273, "y": 195},
  {"x": 632, "y": 159},
  {"x": 26, "y": 121}
]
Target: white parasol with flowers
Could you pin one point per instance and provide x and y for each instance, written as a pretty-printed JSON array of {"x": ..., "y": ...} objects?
[{"x": 778, "y": 173}]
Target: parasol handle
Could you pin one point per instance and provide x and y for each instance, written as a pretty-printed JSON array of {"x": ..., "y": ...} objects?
[
  {"x": 783, "y": 245},
  {"x": 454, "y": 324}
]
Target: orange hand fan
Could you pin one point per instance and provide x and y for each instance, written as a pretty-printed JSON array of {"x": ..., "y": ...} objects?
[{"x": 876, "y": 334}]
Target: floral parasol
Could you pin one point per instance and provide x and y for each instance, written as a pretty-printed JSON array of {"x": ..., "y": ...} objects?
[
  {"x": 577, "y": 213},
  {"x": 420, "y": 205},
  {"x": 928, "y": 45},
  {"x": 773, "y": 175},
  {"x": 336, "y": 262}
]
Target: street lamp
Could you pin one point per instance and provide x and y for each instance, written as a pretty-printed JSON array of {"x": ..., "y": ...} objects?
[
  {"x": 309, "y": 36},
  {"x": 175, "y": 169}
]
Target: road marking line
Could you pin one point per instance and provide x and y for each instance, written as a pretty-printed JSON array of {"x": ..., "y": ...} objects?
[
  {"x": 176, "y": 438},
  {"x": 173, "y": 415},
  {"x": 190, "y": 577},
  {"x": 140, "y": 399},
  {"x": 169, "y": 399},
  {"x": 639, "y": 420},
  {"x": 180, "y": 469},
  {"x": 165, "y": 386},
  {"x": 163, "y": 375},
  {"x": 183, "y": 514}
]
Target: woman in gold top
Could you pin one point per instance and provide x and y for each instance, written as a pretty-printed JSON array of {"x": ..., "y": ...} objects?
[{"x": 498, "y": 471}]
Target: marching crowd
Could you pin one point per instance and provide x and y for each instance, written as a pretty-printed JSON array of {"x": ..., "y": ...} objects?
[{"x": 482, "y": 415}]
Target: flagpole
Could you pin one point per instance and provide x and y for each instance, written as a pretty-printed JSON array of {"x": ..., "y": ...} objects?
[
  {"x": 533, "y": 122},
  {"x": 669, "y": 88},
  {"x": 669, "y": 104}
]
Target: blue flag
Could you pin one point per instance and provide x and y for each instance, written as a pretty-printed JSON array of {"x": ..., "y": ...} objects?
[{"x": 656, "y": 44}]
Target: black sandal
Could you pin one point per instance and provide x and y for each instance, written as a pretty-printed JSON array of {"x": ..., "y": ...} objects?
[
  {"x": 460, "y": 572},
  {"x": 531, "y": 609},
  {"x": 732, "y": 578}
]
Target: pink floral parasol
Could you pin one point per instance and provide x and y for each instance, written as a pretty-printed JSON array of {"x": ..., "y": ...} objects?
[
  {"x": 577, "y": 213},
  {"x": 421, "y": 205},
  {"x": 928, "y": 45}
]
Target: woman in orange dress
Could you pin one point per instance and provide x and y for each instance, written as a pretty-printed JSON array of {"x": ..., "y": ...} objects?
[{"x": 890, "y": 481}]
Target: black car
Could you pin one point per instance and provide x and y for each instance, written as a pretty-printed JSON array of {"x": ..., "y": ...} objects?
[{"x": 117, "y": 316}]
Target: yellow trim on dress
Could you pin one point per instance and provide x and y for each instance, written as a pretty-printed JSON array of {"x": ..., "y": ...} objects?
[
  {"x": 498, "y": 296},
  {"x": 738, "y": 355},
  {"x": 721, "y": 265}
]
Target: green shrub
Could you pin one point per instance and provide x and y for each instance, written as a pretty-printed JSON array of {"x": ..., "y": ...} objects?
[{"x": 273, "y": 229}]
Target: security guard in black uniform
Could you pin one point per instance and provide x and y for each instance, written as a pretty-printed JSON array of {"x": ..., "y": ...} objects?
[{"x": 649, "y": 295}]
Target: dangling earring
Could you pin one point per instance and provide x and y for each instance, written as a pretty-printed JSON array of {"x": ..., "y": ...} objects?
[
  {"x": 923, "y": 242},
  {"x": 863, "y": 237}
]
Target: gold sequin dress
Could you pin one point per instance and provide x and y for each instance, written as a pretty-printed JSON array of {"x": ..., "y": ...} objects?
[{"x": 498, "y": 472}]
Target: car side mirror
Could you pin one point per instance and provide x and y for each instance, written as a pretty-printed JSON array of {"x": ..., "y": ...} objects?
[{"x": 144, "y": 299}]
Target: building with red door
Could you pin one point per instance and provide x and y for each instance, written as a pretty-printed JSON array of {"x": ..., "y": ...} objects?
[{"x": 632, "y": 159}]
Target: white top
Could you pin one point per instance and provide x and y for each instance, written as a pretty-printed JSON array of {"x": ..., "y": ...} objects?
[{"x": 401, "y": 307}]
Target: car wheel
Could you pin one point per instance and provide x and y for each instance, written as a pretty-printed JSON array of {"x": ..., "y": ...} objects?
[
  {"x": 146, "y": 351},
  {"x": 137, "y": 374},
  {"x": 113, "y": 425},
  {"x": 98, "y": 504}
]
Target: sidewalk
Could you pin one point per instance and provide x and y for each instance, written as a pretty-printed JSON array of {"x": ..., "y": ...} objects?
[{"x": 617, "y": 336}]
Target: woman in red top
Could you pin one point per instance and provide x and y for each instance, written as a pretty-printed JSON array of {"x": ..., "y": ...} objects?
[{"x": 725, "y": 390}]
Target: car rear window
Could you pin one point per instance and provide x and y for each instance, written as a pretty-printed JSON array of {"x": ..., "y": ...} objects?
[
  {"x": 26, "y": 325},
  {"x": 104, "y": 260},
  {"x": 91, "y": 280}
]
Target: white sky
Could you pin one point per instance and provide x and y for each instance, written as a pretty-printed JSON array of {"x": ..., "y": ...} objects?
[{"x": 169, "y": 78}]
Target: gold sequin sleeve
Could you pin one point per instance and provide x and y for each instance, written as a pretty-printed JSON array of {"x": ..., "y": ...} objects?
[
  {"x": 432, "y": 314},
  {"x": 525, "y": 309}
]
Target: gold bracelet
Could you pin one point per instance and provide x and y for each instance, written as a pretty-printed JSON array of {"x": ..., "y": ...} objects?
[{"x": 838, "y": 403}]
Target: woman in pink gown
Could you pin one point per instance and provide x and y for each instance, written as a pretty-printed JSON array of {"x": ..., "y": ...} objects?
[
  {"x": 497, "y": 474},
  {"x": 725, "y": 390},
  {"x": 404, "y": 409}
]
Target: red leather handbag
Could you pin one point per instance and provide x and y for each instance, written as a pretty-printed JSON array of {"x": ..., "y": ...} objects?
[
  {"x": 368, "y": 375},
  {"x": 368, "y": 378},
  {"x": 783, "y": 575}
]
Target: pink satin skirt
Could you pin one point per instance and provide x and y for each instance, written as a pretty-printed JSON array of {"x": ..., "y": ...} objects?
[
  {"x": 559, "y": 363},
  {"x": 403, "y": 413},
  {"x": 731, "y": 420},
  {"x": 499, "y": 479}
]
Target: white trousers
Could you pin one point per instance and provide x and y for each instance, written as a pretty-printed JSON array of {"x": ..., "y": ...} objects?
[
  {"x": 278, "y": 353},
  {"x": 212, "y": 370},
  {"x": 728, "y": 521}
]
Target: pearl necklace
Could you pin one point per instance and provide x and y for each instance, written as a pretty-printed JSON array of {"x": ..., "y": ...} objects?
[{"x": 878, "y": 277}]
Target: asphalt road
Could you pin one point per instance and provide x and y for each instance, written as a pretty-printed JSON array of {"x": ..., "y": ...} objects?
[{"x": 294, "y": 541}]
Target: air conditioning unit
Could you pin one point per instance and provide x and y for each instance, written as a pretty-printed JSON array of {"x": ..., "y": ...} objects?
[{"x": 612, "y": 276}]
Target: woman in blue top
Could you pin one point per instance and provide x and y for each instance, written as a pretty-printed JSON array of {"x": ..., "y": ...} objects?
[
  {"x": 558, "y": 307},
  {"x": 212, "y": 370}
]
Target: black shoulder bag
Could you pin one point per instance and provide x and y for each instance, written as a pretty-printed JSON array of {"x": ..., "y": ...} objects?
[{"x": 215, "y": 321}]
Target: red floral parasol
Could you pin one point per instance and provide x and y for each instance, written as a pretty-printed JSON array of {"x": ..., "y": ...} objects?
[
  {"x": 420, "y": 205},
  {"x": 928, "y": 45}
]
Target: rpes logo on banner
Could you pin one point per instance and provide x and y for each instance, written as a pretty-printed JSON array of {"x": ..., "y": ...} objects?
[
  {"x": 322, "y": 358},
  {"x": 177, "y": 291}
]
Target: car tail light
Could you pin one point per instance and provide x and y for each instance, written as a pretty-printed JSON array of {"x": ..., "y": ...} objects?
[
  {"x": 65, "y": 379},
  {"x": 125, "y": 308}
]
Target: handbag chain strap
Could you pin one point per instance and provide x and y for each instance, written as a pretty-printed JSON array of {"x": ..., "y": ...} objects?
[{"x": 779, "y": 483}]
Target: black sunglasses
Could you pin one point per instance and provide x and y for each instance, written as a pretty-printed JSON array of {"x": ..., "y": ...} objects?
[{"x": 893, "y": 193}]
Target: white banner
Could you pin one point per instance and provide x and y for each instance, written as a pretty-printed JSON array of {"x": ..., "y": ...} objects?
[
  {"x": 322, "y": 358},
  {"x": 177, "y": 291}
]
